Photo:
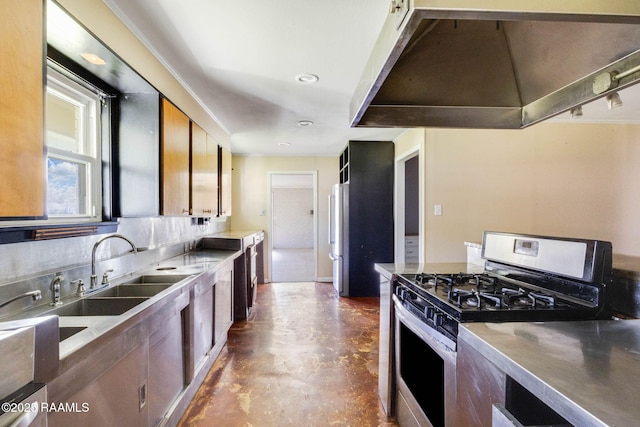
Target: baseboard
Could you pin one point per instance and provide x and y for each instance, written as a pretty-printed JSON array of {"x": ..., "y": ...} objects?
[{"x": 325, "y": 279}]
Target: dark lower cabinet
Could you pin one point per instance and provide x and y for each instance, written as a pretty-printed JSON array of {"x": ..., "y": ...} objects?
[{"x": 240, "y": 311}]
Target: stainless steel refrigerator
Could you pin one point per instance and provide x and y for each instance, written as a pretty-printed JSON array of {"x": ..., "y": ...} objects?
[{"x": 338, "y": 237}]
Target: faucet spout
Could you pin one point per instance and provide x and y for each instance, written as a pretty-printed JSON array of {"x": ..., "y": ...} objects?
[
  {"x": 35, "y": 296},
  {"x": 94, "y": 277}
]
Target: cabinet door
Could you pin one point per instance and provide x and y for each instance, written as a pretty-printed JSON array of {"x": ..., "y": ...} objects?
[
  {"x": 22, "y": 166},
  {"x": 225, "y": 182},
  {"x": 138, "y": 174},
  {"x": 166, "y": 367},
  {"x": 115, "y": 398},
  {"x": 223, "y": 303},
  {"x": 203, "y": 311},
  {"x": 175, "y": 160},
  {"x": 204, "y": 173}
]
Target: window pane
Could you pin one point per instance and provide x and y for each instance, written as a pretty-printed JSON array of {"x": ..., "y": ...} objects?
[
  {"x": 66, "y": 194},
  {"x": 63, "y": 121}
]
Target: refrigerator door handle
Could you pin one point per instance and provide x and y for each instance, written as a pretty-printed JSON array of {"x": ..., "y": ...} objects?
[
  {"x": 331, "y": 217},
  {"x": 333, "y": 257}
]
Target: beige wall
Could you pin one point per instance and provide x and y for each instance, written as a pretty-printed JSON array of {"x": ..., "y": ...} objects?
[
  {"x": 250, "y": 195},
  {"x": 102, "y": 22},
  {"x": 574, "y": 180}
]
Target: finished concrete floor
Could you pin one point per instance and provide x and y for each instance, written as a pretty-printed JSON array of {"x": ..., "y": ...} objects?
[{"x": 306, "y": 358}]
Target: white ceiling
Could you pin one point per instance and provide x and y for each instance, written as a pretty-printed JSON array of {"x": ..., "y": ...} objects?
[{"x": 240, "y": 60}]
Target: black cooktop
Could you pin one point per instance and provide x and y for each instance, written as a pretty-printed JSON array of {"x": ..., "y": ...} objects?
[{"x": 490, "y": 297}]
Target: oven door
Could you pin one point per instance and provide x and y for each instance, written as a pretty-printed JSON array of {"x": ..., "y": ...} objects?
[
  {"x": 425, "y": 372},
  {"x": 24, "y": 407}
]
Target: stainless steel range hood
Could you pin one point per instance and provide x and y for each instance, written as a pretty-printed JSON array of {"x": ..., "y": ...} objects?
[{"x": 495, "y": 63}]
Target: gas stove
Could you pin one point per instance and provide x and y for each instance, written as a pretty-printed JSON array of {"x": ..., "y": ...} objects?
[{"x": 526, "y": 278}]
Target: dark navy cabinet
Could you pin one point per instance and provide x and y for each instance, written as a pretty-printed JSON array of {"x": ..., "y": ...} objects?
[{"x": 367, "y": 166}]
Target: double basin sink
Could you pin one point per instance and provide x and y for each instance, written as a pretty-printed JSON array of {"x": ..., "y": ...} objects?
[{"x": 114, "y": 300}]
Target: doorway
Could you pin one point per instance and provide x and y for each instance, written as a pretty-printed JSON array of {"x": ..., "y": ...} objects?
[
  {"x": 293, "y": 226},
  {"x": 409, "y": 232}
]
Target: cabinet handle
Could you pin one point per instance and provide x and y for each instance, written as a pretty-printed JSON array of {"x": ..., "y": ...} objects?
[
  {"x": 206, "y": 211},
  {"x": 188, "y": 211}
]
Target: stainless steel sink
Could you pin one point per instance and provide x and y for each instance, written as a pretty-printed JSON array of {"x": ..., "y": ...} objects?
[
  {"x": 134, "y": 290},
  {"x": 68, "y": 331},
  {"x": 158, "y": 278},
  {"x": 98, "y": 306}
]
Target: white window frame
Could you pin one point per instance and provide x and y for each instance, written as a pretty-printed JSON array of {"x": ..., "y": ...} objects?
[{"x": 89, "y": 152}]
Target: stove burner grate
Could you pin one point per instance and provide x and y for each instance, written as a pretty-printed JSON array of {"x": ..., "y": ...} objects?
[{"x": 487, "y": 298}]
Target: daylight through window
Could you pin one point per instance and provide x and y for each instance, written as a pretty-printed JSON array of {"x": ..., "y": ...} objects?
[{"x": 73, "y": 150}]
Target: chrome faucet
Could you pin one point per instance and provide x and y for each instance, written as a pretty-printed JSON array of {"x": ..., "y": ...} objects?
[
  {"x": 94, "y": 277},
  {"x": 35, "y": 296},
  {"x": 55, "y": 290}
]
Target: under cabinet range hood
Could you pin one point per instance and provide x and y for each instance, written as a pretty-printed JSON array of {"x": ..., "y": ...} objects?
[{"x": 504, "y": 64}]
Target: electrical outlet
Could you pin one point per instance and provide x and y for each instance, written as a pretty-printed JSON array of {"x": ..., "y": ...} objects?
[{"x": 437, "y": 210}]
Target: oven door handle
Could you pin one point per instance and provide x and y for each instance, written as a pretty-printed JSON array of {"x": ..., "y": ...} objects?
[
  {"x": 424, "y": 331},
  {"x": 27, "y": 417}
]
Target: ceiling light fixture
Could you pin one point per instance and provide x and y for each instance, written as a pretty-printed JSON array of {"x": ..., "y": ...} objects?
[
  {"x": 614, "y": 100},
  {"x": 305, "y": 123},
  {"x": 307, "y": 78},
  {"x": 284, "y": 144},
  {"x": 92, "y": 58},
  {"x": 576, "y": 112}
]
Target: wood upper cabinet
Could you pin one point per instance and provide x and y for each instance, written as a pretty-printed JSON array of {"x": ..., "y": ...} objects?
[
  {"x": 22, "y": 159},
  {"x": 225, "y": 182},
  {"x": 175, "y": 132},
  {"x": 204, "y": 173}
]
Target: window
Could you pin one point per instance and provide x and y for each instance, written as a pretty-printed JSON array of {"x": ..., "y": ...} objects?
[{"x": 73, "y": 150}]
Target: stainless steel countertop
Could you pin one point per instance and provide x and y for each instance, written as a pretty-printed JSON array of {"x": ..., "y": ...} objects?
[
  {"x": 234, "y": 234},
  {"x": 587, "y": 371}
]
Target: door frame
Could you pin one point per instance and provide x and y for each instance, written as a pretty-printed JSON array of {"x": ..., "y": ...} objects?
[
  {"x": 399, "y": 203},
  {"x": 271, "y": 174}
]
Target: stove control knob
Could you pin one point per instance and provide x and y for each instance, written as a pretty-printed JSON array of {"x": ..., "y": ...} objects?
[
  {"x": 428, "y": 312},
  {"x": 438, "y": 319}
]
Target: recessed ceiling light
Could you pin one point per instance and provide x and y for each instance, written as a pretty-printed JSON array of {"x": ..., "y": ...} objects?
[
  {"x": 306, "y": 78},
  {"x": 93, "y": 58},
  {"x": 284, "y": 144},
  {"x": 305, "y": 123}
]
